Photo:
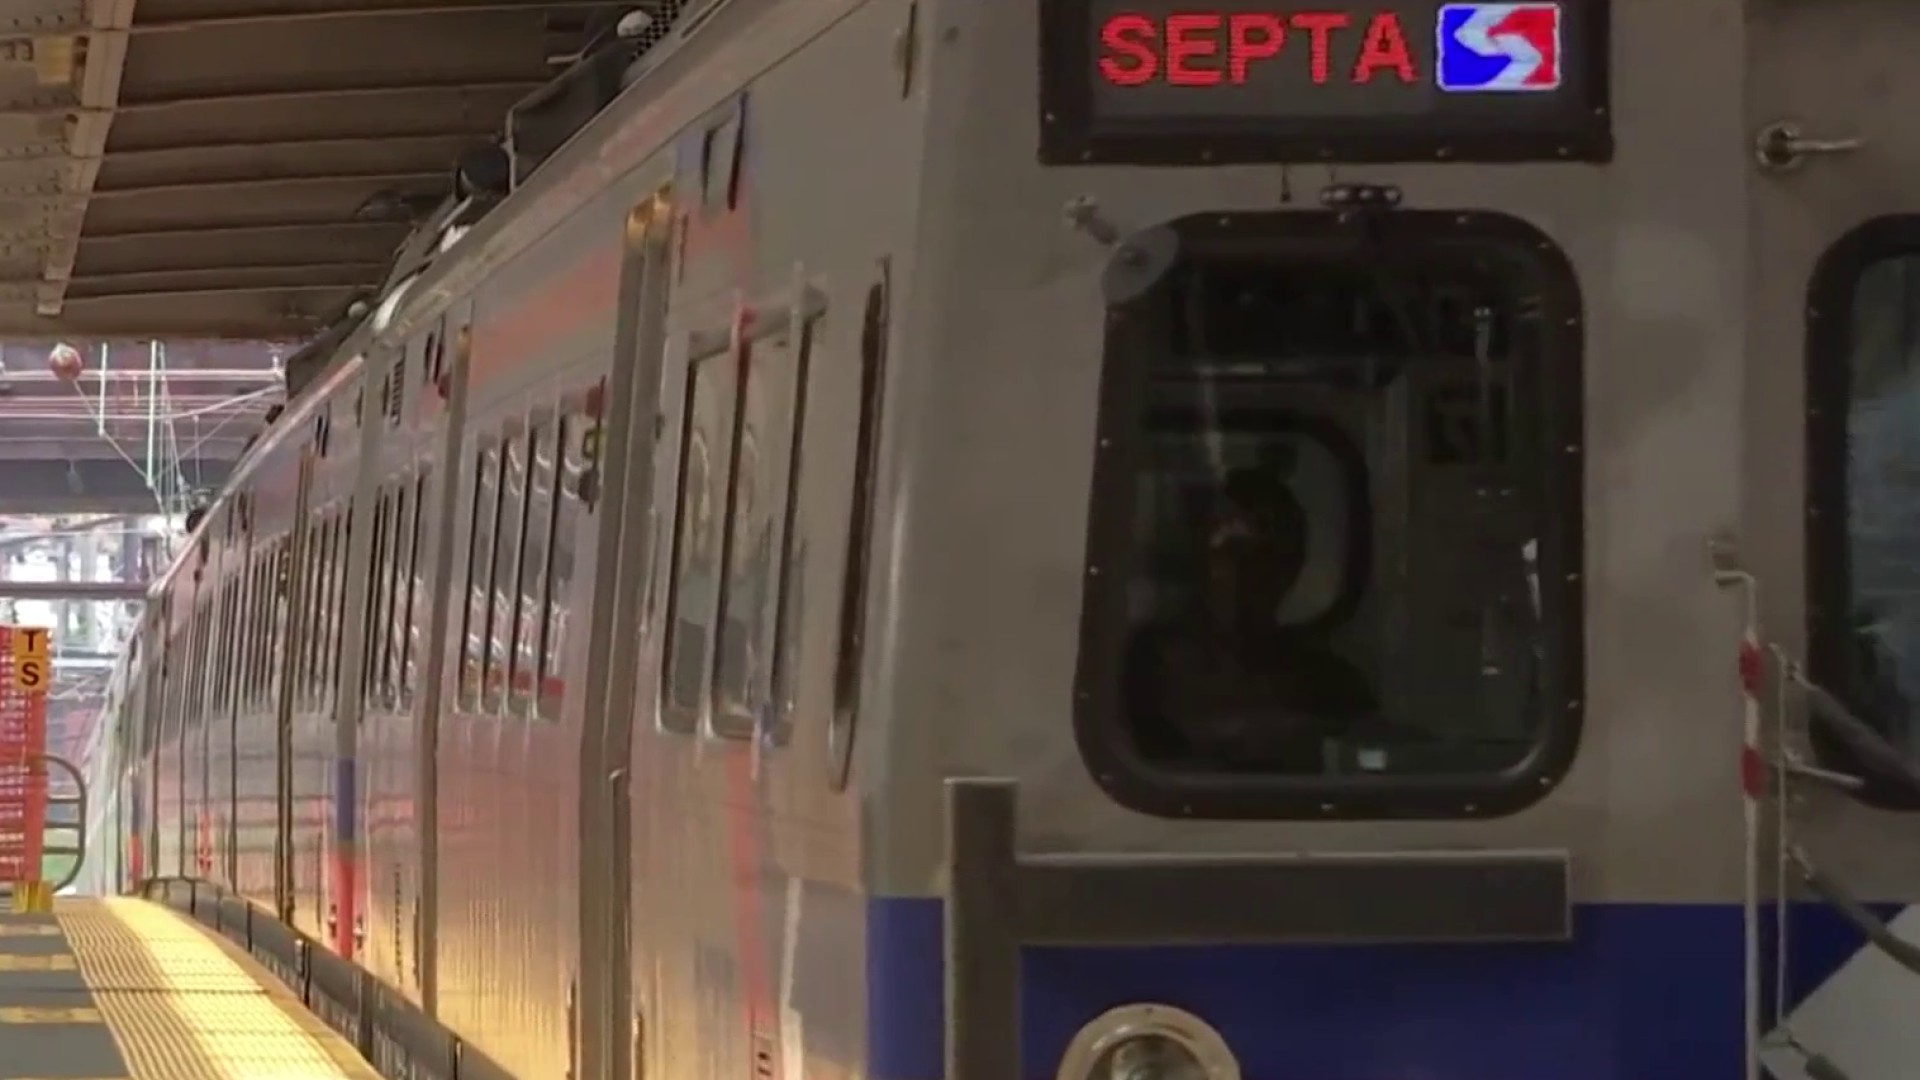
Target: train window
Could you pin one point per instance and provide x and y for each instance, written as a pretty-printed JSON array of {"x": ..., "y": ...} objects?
[
  {"x": 392, "y": 582},
  {"x": 337, "y": 603},
  {"x": 322, "y": 610},
  {"x": 220, "y": 671},
  {"x": 1863, "y": 494},
  {"x": 322, "y": 633},
  {"x": 1334, "y": 561},
  {"x": 866, "y": 470},
  {"x": 277, "y": 660},
  {"x": 413, "y": 614},
  {"x": 570, "y": 507},
  {"x": 535, "y": 550},
  {"x": 502, "y": 615},
  {"x": 301, "y": 614},
  {"x": 371, "y": 626},
  {"x": 759, "y": 519},
  {"x": 240, "y": 628},
  {"x": 254, "y": 630},
  {"x": 264, "y": 603},
  {"x": 393, "y": 576},
  {"x": 693, "y": 591},
  {"x": 387, "y": 568},
  {"x": 239, "y": 669},
  {"x": 486, "y": 506}
]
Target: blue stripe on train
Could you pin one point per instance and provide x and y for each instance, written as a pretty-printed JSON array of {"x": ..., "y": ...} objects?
[{"x": 1642, "y": 992}]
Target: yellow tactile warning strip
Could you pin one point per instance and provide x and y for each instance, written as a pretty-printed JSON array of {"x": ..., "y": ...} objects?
[
  {"x": 184, "y": 1004},
  {"x": 50, "y": 1026}
]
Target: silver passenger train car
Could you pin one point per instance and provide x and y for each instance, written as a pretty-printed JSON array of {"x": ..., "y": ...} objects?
[{"x": 1079, "y": 539}]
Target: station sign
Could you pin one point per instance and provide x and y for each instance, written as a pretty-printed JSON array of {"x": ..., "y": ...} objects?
[
  {"x": 1178, "y": 82},
  {"x": 32, "y": 658}
]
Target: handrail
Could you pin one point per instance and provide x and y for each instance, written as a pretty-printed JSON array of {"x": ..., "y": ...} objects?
[
  {"x": 1860, "y": 736},
  {"x": 79, "y": 801},
  {"x": 1826, "y": 709}
]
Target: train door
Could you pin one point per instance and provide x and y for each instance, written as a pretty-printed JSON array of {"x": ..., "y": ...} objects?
[
  {"x": 1833, "y": 398},
  {"x": 447, "y": 374},
  {"x": 608, "y": 1024}
]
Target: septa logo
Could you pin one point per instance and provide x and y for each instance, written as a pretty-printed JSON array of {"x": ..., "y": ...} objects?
[{"x": 1496, "y": 48}]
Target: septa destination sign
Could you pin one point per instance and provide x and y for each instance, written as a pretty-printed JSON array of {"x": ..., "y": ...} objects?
[{"x": 1174, "y": 82}]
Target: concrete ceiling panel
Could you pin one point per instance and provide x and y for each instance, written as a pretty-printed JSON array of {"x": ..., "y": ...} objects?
[{"x": 223, "y": 166}]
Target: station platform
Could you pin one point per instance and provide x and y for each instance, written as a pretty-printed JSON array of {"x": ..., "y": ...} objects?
[{"x": 127, "y": 989}]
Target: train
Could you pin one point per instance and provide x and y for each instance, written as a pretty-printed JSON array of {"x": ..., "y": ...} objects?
[{"x": 1079, "y": 540}]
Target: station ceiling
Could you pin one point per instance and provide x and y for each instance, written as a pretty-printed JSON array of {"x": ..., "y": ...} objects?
[{"x": 240, "y": 168}]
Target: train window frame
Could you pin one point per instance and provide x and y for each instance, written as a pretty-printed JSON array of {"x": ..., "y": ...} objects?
[
  {"x": 470, "y": 673},
  {"x": 1136, "y": 333},
  {"x": 406, "y": 667},
  {"x": 337, "y": 603},
  {"x": 372, "y": 636},
  {"x": 524, "y": 659},
  {"x": 503, "y": 602},
  {"x": 862, "y": 505},
  {"x": 316, "y": 623},
  {"x": 573, "y": 471},
  {"x": 782, "y": 361},
  {"x": 254, "y": 677},
  {"x": 301, "y": 613},
  {"x": 240, "y": 663},
  {"x": 282, "y": 616},
  {"x": 320, "y": 630},
  {"x": 717, "y": 478},
  {"x": 220, "y": 668},
  {"x": 388, "y": 586},
  {"x": 258, "y": 663},
  {"x": 1830, "y": 361}
]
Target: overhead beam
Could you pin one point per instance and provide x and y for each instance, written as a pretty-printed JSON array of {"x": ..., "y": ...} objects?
[
  {"x": 73, "y": 590},
  {"x": 292, "y": 96},
  {"x": 268, "y": 229},
  {"x": 344, "y": 14},
  {"x": 474, "y": 131},
  {"x": 99, "y": 92},
  {"x": 100, "y": 486},
  {"x": 16, "y": 293},
  {"x": 354, "y": 273},
  {"x": 265, "y": 315}
]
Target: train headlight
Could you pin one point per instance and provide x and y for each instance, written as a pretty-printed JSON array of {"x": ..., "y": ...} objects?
[{"x": 1148, "y": 1042}]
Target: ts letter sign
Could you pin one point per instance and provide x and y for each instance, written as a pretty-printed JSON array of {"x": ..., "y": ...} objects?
[{"x": 32, "y": 658}]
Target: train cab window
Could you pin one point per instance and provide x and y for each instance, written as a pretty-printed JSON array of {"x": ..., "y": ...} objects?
[
  {"x": 1334, "y": 561},
  {"x": 502, "y": 614},
  {"x": 1863, "y": 495},
  {"x": 759, "y": 525},
  {"x": 693, "y": 591},
  {"x": 535, "y": 548}
]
